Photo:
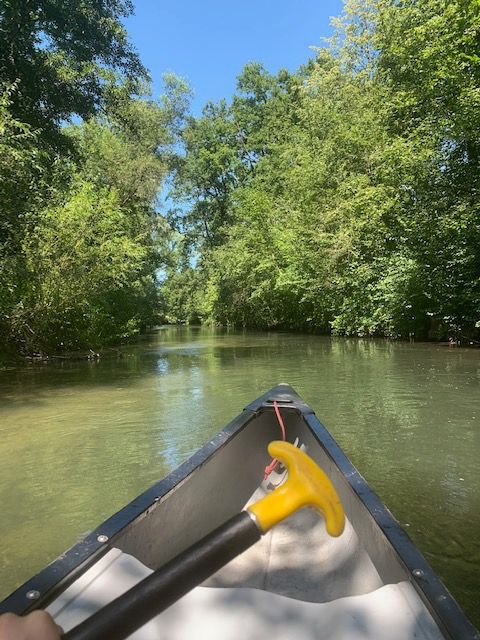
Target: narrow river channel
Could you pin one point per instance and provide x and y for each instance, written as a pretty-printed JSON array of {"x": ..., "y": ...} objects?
[{"x": 80, "y": 439}]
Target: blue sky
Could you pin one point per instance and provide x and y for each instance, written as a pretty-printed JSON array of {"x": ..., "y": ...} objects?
[{"x": 209, "y": 42}]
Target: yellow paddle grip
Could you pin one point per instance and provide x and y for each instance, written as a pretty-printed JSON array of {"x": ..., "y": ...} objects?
[{"x": 306, "y": 486}]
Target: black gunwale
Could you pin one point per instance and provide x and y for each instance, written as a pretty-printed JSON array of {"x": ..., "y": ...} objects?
[
  {"x": 445, "y": 610},
  {"x": 59, "y": 574}
]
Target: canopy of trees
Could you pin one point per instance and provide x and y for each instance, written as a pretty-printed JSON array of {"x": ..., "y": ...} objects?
[
  {"x": 343, "y": 197},
  {"x": 80, "y": 238},
  {"x": 63, "y": 55}
]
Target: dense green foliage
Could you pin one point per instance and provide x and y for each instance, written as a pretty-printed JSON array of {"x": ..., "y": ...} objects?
[
  {"x": 342, "y": 197},
  {"x": 66, "y": 56},
  {"x": 80, "y": 238}
]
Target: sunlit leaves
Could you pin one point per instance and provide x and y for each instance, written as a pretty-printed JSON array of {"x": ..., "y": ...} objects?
[
  {"x": 350, "y": 188},
  {"x": 64, "y": 55},
  {"x": 89, "y": 263}
]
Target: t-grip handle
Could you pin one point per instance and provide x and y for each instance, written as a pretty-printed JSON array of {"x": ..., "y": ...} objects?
[{"x": 306, "y": 486}]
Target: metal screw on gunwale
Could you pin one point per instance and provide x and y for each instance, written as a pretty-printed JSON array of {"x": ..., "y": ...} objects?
[
  {"x": 33, "y": 594},
  {"x": 102, "y": 538}
]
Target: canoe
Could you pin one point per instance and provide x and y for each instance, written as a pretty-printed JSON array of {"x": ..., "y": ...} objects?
[{"x": 371, "y": 582}]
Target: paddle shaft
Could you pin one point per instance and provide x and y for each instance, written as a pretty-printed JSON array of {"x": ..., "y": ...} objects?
[{"x": 121, "y": 617}]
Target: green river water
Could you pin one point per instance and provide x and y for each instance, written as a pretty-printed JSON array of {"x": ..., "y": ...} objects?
[{"x": 78, "y": 439}]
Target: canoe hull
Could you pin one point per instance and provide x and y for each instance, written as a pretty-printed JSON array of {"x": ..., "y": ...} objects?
[{"x": 215, "y": 483}]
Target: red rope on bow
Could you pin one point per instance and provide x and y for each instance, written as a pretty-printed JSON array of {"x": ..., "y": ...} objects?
[{"x": 273, "y": 464}]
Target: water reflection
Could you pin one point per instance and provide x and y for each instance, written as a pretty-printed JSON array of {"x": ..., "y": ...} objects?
[{"x": 79, "y": 439}]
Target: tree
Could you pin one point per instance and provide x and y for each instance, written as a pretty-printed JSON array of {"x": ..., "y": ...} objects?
[
  {"x": 21, "y": 170},
  {"x": 64, "y": 56},
  {"x": 430, "y": 61},
  {"x": 80, "y": 239},
  {"x": 344, "y": 197},
  {"x": 90, "y": 274},
  {"x": 20, "y": 167},
  {"x": 86, "y": 262},
  {"x": 207, "y": 173}
]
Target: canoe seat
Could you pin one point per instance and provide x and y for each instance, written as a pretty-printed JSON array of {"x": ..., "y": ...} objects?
[{"x": 391, "y": 612}]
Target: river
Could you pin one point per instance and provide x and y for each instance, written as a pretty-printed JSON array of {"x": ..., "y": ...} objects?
[{"x": 78, "y": 439}]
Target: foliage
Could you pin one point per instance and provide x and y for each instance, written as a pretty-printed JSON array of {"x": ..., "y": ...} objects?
[
  {"x": 90, "y": 273},
  {"x": 85, "y": 268},
  {"x": 79, "y": 234},
  {"x": 21, "y": 172},
  {"x": 80, "y": 238},
  {"x": 64, "y": 55},
  {"x": 340, "y": 198},
  {"x": 91, "y": 258},
  {"x": 430, "y": 62},
  {"x": 343, "y": 197}
]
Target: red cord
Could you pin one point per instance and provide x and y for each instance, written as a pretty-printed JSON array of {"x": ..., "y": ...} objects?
[
  {"x": 273, "y": 464},
  {"x": 280, "y": 421}
]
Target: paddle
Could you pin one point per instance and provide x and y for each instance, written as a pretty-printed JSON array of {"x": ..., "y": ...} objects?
[{"x": 307, "y": 486}]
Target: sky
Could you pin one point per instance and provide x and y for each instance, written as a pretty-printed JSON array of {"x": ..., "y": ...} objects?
[{"x": 208, "y": 42}]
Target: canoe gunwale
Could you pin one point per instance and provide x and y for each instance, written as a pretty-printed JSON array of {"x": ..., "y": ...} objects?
[
  {"x": 446, "y": 612},
  {"x": 65, "y": 569}
]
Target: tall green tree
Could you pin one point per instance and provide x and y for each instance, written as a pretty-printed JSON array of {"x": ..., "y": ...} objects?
[
  {"x": 82, "y": 270},
  {"x": 92, "y": 255},
  {"x": 206, "y": 174},
  {"x": 91, "y": 274},
  {"x": 348, "y": 197},
  {"x": 64, "y": 56},
  {"x": 22, "y": 186},
  {"x": 232, "y": 154},
  {"x": 58, "y": 60},
  {"x": 430, "y": 62}
]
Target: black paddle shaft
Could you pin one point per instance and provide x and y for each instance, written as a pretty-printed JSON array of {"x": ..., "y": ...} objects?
[{"x": 121, "y": 617}]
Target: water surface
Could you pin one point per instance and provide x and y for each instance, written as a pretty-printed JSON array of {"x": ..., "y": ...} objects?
[{"x": 80, "y": 439}]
